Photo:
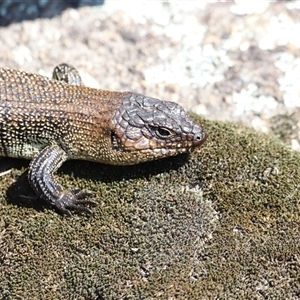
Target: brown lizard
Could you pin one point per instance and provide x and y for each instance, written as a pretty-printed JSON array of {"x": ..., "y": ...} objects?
[{"x": 52, "y": 120}]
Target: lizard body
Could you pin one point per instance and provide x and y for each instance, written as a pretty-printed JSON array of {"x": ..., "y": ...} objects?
[{"x": 52, "y": 120}]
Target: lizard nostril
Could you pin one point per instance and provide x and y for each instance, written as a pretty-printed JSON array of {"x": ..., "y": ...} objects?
[{"x": 200, "y": 137}]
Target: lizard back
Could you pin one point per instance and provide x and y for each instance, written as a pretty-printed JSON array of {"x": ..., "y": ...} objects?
[{"x": 36, "y": 111}]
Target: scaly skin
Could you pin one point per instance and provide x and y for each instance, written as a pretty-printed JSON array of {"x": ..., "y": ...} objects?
[{"x": 50, "y": 121}]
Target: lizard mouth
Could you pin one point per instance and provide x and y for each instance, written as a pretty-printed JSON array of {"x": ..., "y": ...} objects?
[
  {"x": 129, "y": 152},
  {"x": 188, "y": 146}
]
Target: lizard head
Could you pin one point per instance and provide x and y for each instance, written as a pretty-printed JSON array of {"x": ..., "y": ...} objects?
[{"x": 146, "y": 129}]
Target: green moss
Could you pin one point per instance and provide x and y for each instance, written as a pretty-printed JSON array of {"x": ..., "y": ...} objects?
[
  {"x": 224, "y": 223},
  {"x": 285, "y": 127}
]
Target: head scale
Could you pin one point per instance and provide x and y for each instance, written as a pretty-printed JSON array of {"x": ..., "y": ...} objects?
[{"x": 147, "y": 129}]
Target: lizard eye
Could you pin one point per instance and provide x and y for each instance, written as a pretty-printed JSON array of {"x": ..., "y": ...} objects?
[{"x": 163, "y": 132}]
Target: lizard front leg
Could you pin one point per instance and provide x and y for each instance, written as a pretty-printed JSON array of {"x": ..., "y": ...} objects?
[{"x": 40, "y": 175}]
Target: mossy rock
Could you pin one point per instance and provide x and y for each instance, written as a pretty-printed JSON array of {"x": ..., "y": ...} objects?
[{"x": 222, "y": 223}]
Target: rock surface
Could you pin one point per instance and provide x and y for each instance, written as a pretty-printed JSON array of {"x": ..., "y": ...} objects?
[{"x": 223, "y": 223}]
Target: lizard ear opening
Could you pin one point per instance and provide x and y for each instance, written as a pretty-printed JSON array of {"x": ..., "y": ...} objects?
[{"x": 115, "y": 141}]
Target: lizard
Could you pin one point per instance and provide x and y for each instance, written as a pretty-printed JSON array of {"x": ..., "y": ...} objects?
[{"x": 51, "y": 120}]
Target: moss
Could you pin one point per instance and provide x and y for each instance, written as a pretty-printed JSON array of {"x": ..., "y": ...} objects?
[
  {"x": 284, "y": 126},
  {"x": 222, "y": 223}
]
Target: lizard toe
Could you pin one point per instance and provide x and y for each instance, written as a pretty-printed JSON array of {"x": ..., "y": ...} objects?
[
  {"x": 81, "y": 194},
  {"x": 73, "y": 201}
]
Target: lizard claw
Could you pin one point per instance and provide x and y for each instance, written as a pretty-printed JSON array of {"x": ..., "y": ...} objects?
[
  {"x": 73, "y": 200},
  {"x": 81, "y": 194}
]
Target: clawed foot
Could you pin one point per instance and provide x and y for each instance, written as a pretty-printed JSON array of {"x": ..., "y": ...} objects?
[
  {"x": 41, "y": 178},
  {"x": 73, "y": 200}
]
